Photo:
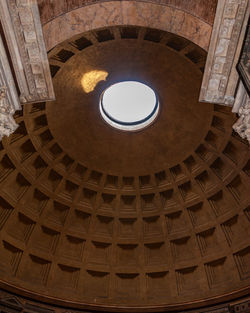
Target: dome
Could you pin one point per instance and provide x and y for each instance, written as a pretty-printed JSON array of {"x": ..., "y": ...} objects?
[{"x": 92, "y": 217}]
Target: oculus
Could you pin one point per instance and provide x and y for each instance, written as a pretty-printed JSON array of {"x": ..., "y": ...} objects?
[{"x": 129, "y": 105}]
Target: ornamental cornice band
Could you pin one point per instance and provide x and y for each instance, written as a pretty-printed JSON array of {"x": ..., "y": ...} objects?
[
  {"x": 10, "y": 303},
  {"x": 242, "y": 126},
  {"x": 220, "y": 77},
  {"x": 7, "y": 122},
  {"x": 23, "y": 32},
  {"x": 9, "y": 101}
]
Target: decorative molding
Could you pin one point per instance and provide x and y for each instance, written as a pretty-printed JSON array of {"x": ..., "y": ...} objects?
[
  {"x": 9, "y": 101},
  {"x": 220, "y": 77},
  {"x": 23, "y": 31},
  {"x": 242, "y": 126},
  {"x": 7, "y": 123},
  {"x": 10, "y": 303}
]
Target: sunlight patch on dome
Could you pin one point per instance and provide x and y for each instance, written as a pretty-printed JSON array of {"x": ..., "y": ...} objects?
[{"x": 91, "y": 79}]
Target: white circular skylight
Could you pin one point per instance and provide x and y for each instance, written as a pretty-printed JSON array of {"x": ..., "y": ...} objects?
[{"x": 129, "y": 105}]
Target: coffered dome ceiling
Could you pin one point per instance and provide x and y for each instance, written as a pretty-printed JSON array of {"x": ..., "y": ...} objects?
[{"x": 94, "y": 217}]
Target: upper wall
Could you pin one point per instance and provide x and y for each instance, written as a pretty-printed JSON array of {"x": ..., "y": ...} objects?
[
  {"x": 117, "y": 13},
  {"x": 202, "y": 9}
]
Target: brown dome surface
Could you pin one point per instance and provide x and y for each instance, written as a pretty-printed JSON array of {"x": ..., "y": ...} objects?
[
  {"x": 91, "y": 141},
  {"x": 94, "y": 217}
]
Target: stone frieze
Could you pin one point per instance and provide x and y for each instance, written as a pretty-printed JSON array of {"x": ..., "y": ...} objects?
[
  {"x": 22, "y": 28},
  {"x": 221, "y": 77}
]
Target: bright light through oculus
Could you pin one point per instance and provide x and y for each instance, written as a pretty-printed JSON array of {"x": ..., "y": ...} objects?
[{"x": 129, "y": 105}]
